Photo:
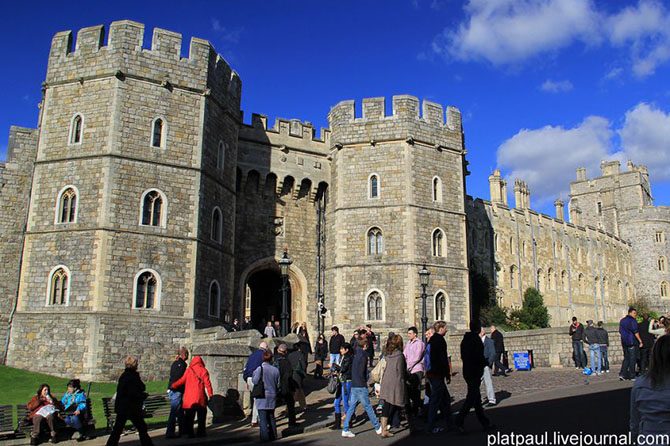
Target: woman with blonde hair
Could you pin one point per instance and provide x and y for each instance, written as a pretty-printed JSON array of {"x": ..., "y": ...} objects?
[
  {"x": 130, "y": 395},
  {"x": 393, "y": 390}
]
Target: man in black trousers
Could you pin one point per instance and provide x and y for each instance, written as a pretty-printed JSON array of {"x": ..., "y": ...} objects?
[
  {"x": 499, "y": 342},
  {"x": 472, "y": 354}
]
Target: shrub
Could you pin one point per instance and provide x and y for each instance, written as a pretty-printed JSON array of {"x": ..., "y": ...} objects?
[{"x": 533, "y": 312}]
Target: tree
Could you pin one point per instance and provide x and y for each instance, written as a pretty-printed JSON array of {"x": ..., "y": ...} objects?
[{"x": 533, "y": 312}]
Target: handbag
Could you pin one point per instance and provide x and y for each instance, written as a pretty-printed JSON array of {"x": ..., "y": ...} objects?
[
  {"x": 258, "y": 391},
  {"x": 378, "y": 372},
  {"x": 333, "y": 384}
]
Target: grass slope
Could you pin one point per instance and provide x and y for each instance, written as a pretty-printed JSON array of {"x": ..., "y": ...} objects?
[{"x": 18, "y": 386}]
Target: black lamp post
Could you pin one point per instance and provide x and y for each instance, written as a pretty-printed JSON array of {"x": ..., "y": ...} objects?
[
  {"x": 284, "y": 264},
  {"x": 424, "y": 274}
]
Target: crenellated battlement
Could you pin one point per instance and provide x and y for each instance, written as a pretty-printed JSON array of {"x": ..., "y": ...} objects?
[
  {"x": 122, "y": 55},
  {"x": 405, "y": 107},
  {"x": 290, "y": 127}
]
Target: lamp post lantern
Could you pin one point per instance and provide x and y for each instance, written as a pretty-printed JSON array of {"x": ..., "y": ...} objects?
[
  {"x": 424, "y": 274},
  {"x": 284, "y": 263}
]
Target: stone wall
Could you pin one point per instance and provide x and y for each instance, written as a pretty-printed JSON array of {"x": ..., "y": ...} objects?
[
  {"x": 16, "y": 176},
  {"x": 580, "y": 270},
  {"x": 552, "y": 347}
]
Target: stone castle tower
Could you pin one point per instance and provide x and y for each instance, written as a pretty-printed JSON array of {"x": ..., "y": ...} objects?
[
  {"x": 397, "y": 201},
  {"x": 143, "y": 210},
  {"x": 136, "y": 149}
]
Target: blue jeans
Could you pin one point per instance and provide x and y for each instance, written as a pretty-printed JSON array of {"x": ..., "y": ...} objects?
[
  {"x": 267, "y": 424},
  {"x": 334, "y": 359},
  {"x": 578, "y": 354},
  {"x": 594, "y": 350},
  {"x": 360, "y": 395},
  {"x": 605, "y": 359},
  {"x": 75, "y": 422},
  {"x": 176, "y": 414},
  {"x": 439, "y": 400},
  {"x": 343, "y": 397}
]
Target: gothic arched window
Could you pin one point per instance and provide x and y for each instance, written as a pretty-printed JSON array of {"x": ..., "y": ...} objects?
[
  {"x": 221, "y": 156},
  {"x": 147, "y": 289},
  {"x": 67, "y": 206},
  {"x": 76, "y": 129},
  {"x": 158, "y": 133},
  {"x": 375, "y": 306},
  {"x": 441, "y": 307},
  {"x": 217, "y": 225},
  {"x": 375, "y": 241},
  {"x": 437, "y": 189},
  {"x": 373, "y": 186},
  {"x": 214, "y": 299},
  {"x": 59, "y": 286},
  {"x": 438, "y": 243},
  {"x": 153, "y": 212}
]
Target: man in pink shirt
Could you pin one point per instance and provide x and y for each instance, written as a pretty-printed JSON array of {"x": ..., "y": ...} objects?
[{"x": 414, "y": 351}]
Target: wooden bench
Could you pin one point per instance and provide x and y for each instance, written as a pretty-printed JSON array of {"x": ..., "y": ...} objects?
[
  {"x": 155, "y": 406},
  {"x": 6, "y": 421},
  {"x": 24, "y": 429}
]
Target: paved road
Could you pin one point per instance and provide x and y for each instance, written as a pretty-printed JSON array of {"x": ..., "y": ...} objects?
[{"x": 529, "y": 402}]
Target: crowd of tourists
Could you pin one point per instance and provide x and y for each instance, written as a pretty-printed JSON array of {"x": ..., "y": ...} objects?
[
  {"x": 410, "y": 381},
  {"x": 410, "y": 378},
  {"x": 637, "y": 340}
]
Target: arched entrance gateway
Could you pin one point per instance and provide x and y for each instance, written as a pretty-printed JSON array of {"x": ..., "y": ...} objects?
[{"x": 261, "y": 293}]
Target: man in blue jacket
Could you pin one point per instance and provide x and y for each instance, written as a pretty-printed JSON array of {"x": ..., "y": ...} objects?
[
  {"x": 631, "y": 343},
  {"x": 359, "y": 389},
  {"x": 253, "y": 362}
]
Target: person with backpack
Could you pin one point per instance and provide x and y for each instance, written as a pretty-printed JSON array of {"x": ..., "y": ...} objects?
[
  {"x": 254, "y": 361},
  {"x": 359, "y": 390},
  {"x": 266, "y": 388}
]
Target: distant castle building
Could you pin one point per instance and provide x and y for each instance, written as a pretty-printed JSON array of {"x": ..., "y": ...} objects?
[{"x": 142, "y": 208}]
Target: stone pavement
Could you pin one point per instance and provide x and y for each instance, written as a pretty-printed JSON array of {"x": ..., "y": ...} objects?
[{"x": 528, "y": 401}]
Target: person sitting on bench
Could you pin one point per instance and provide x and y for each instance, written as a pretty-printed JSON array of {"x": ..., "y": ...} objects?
[
  {"x": 74, "y": 401},
  {"x": 42, "y": 407}
]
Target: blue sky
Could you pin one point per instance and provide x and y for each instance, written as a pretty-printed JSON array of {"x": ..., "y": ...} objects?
[{"x": 545, "y": 86}]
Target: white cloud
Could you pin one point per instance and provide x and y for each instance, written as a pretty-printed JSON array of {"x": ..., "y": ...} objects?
[
  {"x": 645, "y": 139},
  {"x": 506, "y": 32},
  {"x": 546, "y": 158},
  {"x": 556, "y": 86},
  {"x": 509, "y": 31},
  {"x": 645, "y": 31}
]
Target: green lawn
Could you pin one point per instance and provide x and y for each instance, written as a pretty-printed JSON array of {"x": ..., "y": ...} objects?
[{"x": 18, "y": 386}]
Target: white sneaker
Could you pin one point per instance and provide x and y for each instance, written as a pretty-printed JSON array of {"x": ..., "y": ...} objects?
[
  {"x": 349, "y": 434},
  {"x": 379, "y": 430}
]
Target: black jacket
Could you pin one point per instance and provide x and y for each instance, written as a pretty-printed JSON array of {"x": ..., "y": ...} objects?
[
  {"x": 439, "y": 360},
  {"x": 359, "y": 369},
  {"x": 345, "y": 367},
  {"x": 320, "y": 351},
  {"x": 498, "y": 341},
  {"x": 591, "y": 335},
  {"x": 299, "y": 367},
  {"x": 335, "y": 343},
  {"x": 177, "y": 371},
  {"x": 577, "y": 334},
  {"x": 472, "y": 354},
  {"x": 130, "y": 393},
  {"x": 286, "y": 383},
  {"x": 647, "y": 338}
]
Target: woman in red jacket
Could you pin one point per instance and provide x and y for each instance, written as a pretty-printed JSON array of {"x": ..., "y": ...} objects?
[{"x": 195, "y": 381}]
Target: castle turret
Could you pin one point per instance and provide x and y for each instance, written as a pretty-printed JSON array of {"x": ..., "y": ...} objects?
[
  {"x": 558, "y": 204},
  {"x": 398, "y": 188},
  {"x": 498, "y": 188},
  {"x": 521, "y": 194},
  {"x": 137, "y": 147}
]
